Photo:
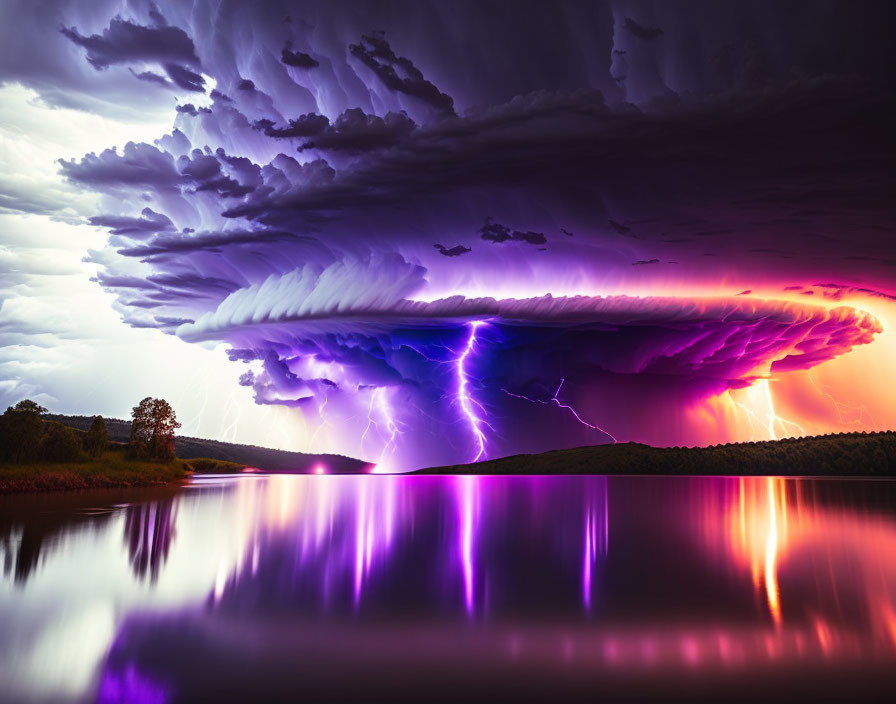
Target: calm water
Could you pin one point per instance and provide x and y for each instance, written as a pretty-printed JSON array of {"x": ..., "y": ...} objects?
[{"x": 343, "y": 588}]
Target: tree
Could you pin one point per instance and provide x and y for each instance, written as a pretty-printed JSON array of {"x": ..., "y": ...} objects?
[
  {"x": 141, "y": 429},
  {"x": 164, "y": 423},
  {"x": 97, "y": 437},
  {"x": 152, "y": 429},
  {"x": 21, "y": 428},
  {"x": 28, "y": 406},
  {"x": 60, "y": 444}
]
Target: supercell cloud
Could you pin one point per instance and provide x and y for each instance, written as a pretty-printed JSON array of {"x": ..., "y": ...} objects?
[{"x": 399, "y": 228}]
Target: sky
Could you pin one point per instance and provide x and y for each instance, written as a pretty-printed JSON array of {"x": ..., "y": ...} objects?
[{"x": 426, "y": 233}]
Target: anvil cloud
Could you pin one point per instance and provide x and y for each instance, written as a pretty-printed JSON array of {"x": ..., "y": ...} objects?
[{"x": 352, "y": 197}]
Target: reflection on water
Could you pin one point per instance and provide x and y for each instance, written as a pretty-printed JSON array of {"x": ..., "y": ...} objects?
[
  {"x": 149, "y": 528},
  {"x": 363, "y": 587}
]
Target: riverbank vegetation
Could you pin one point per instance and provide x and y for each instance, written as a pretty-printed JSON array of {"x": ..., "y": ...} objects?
[
  {"x": 38, "y": 454},
  {"x": 838, "y": 455},
  {"x": 111, "y": 469}
]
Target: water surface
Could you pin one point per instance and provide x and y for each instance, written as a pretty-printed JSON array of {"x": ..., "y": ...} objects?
[{"x": 344, "y": 588}]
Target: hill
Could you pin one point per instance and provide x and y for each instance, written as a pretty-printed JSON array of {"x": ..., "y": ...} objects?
[
  {"x": 845, "y": 454},
  {"x": 265, "y": 458}
]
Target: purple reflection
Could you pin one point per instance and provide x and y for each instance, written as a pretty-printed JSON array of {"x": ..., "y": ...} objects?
[
  {"x": 466, "y": 535},
  {"x": 597, "y": 536},
  {"x": 129, "y": 686}
]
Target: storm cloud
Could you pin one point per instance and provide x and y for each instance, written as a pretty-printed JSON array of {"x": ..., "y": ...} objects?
[{"x": 292, "y": 213}]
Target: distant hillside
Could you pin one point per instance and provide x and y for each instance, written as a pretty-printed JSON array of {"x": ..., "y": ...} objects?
[
  {"x": 261, "y": 457},
  {"x": 845, "y": 454}
]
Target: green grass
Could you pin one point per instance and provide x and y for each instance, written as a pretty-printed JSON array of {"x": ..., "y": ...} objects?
[
  {"x": 208, "y": 465},
  {"x": 110, "y": 470}
]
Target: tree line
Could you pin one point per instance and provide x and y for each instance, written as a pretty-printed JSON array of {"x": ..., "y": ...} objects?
[
  {"x": 26, "y": 436},
  {"x": 839, "y": 454}
]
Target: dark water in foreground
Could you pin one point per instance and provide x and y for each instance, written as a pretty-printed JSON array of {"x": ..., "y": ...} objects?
[{"x": 377, "y": 588}]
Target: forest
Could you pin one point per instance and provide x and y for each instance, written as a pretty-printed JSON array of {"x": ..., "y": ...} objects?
[{"x": 843, "y": 455}]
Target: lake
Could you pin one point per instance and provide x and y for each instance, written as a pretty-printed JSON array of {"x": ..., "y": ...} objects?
[{"x": 423, "y": 588}]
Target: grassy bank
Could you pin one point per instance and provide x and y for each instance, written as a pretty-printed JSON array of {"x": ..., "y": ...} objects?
[
  {"x": 841, "y": 455},
  {"x": 112, "y": 470},
  {"x": 210, "y": 465},
  {"x": 109, "y": 470}
]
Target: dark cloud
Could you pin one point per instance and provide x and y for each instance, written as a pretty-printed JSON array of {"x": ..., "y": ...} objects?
[
  {"x": 455, "y": 251},
  {"x": 151, "y": 77},
  {"x": 151, "y": 223},
  {"x": 496, "y": 232},
  {"x": 215, "y": 94},
  {"x": 298, "y": 59},
  {"x": 374, "y": 52},
  {"x": 302, "y": 126},
  {"x": 529, "y": 237},
  {"x": 190, "y": 109},
  {"x": 355, "y": 131},
  {"x": 125, "y": 42},
  {"x": 185, "y": 78},
  {"x": 643, "y": 262},
  {"x": 245, "y": 84}
]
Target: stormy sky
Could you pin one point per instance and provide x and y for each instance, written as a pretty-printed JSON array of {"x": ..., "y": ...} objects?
[{"x": 430, "y": 232}]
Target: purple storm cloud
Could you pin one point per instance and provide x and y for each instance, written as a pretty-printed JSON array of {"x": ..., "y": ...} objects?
[{"x": 292, "y": 214}]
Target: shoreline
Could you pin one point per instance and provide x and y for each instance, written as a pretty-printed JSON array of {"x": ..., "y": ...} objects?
[
  {"x": 840, "y": 456},
  {"x": 111, "y": 471},
  {"x": 836, "y": 456}
]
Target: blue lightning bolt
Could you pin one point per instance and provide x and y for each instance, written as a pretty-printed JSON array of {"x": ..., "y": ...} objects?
[{"x": 555, "y": 399}]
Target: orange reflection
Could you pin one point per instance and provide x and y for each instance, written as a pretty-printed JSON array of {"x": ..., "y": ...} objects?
[{"x": 780, "y": 531}]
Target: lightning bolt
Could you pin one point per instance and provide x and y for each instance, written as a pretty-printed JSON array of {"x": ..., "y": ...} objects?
[
  {"x": 762, "y": 396},
  {"x": 385, "y": 410},
  {"x": 467, "y": 402},
  {"x": 379, "y": 405},
  {"x": 323, "y": 420},
  {"x": 370, "y": 420},
  {"x": 555, "y": 400}
]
